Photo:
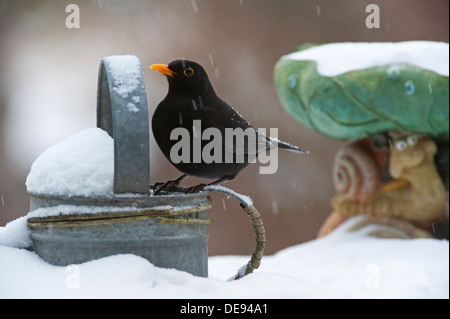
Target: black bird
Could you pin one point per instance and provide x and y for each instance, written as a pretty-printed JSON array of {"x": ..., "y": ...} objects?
[{"x": 192, "y": 97}]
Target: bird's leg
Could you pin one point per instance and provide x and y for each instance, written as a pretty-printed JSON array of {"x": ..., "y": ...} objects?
[
  {"x": 177, "y": 180},
  {"x": 200, "y": 187},
  {"x": 167, "y": 186}
]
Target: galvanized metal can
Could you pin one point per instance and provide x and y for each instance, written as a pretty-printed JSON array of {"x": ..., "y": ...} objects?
[{"x": 168, "y": 230}]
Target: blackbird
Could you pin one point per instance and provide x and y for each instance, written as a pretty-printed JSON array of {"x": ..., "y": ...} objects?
[{"x": 191, "y": 97}]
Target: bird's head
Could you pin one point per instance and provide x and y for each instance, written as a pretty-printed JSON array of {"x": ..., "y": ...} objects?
[{"x": 185, "y": 77}]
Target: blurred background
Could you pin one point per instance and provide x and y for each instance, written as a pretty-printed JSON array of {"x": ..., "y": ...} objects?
[{"x": 48, "y": 85}]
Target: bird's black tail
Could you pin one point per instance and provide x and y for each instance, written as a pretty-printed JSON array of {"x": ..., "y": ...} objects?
[{"x": 288, "y": 146}]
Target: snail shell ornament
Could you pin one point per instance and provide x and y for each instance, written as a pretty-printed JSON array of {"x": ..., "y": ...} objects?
[
  {"x": 416, "y": 193},
  {"x": 356, "y": 172}
]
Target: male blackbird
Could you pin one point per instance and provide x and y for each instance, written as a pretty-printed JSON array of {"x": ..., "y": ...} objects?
[{"x": 192, "y": 97}]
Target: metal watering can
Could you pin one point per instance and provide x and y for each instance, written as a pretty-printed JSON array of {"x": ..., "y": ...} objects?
[{"x": 173, "y": 237}]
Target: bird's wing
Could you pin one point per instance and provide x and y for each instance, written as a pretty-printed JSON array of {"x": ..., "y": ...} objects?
[
  {"x": 239, "y": 137},
  {"x": 245, "y": 141}
]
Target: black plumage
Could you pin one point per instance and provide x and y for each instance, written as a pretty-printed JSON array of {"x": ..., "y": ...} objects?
[{"x": 191, "y": 97}]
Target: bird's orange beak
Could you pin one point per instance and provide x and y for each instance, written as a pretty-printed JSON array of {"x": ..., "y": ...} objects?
[{"x": 162, "y": 68}]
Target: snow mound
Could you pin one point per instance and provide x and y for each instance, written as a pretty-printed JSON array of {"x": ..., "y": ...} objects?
[
  {"x": 80, "y": 165},
  {"x": 16, "y": 234},
  {"x": 337, "y": 58},
  {"x": 342, "y": 265}
]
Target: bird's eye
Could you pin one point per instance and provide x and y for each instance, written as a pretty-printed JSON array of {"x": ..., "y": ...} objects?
[
  {"x": 412, "y": 140},
  {"x": 188, "y": 72},
  {"x": 401, "y": 145}
]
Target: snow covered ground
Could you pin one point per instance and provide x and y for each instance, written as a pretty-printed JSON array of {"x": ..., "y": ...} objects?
[{"x": 341, "y": 265}]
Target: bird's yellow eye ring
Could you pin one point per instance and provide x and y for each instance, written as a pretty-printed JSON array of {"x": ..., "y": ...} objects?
[{"x": 188, "y": 72}]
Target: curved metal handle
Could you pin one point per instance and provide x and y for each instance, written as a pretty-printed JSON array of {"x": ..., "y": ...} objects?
[{"x": 122, "y": 112}]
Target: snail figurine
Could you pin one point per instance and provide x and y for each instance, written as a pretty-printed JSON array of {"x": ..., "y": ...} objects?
[{"x": 416, "y": 193}]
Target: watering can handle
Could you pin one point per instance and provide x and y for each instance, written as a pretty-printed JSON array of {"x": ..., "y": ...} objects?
[{"x": 122, "y": 113}]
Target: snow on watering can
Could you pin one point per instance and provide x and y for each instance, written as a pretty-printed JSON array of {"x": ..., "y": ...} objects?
[{"x": 90, "y": 194}]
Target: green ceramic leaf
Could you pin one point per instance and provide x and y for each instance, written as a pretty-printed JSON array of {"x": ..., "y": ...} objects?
[{"x": 361, "y": 103}]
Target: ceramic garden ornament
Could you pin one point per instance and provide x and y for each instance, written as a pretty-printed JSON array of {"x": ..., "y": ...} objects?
[{"x": 390, "y": 100}]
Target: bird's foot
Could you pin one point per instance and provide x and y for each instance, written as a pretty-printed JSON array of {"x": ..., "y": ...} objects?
[
  {"x": 196, "y": 189},
  {"x": 169, "y": 185},
  {"x": 164, "y": 187},
  {"x": 158, "y": 184}
]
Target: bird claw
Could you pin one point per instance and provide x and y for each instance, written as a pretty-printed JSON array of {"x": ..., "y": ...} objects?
[
  {"x": 158, "y": 184},
  {"x": 166, "y": 187},
  {"x": 195, "y": 189},
  {"x": 169, "y": 185}
]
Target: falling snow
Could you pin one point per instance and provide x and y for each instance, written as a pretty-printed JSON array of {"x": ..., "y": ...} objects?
[
  {"x": 216, "y": 72},
  {"x": 275, "y": 208},
  {"x": 194, "y": 105},
  {"x": 194, "y": 6}
]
